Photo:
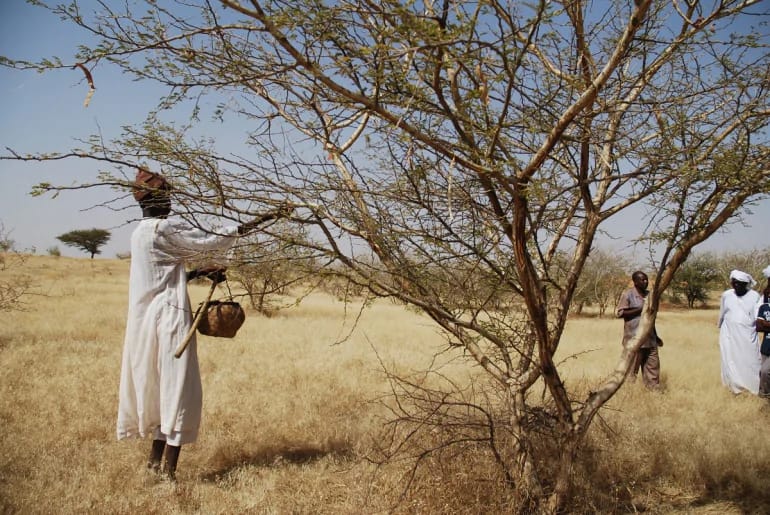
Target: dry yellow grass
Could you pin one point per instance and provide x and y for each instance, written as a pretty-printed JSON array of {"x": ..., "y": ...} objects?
[
  {"x": 288, "y": 418},
  {"x": 695, "y": 447}
]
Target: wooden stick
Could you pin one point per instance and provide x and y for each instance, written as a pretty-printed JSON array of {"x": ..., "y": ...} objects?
[{"x": 198, "y": 316}]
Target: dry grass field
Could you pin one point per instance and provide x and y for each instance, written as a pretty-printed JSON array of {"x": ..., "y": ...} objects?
[{"x": 289, "y": 418}]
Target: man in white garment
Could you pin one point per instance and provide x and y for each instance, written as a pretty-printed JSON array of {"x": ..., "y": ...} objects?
[
  {"x": 738, "y": 342},
  {"x": 160, "y": 395}
]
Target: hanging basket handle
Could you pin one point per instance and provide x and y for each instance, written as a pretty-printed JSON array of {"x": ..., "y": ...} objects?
[{"x": 198, "y": 315}]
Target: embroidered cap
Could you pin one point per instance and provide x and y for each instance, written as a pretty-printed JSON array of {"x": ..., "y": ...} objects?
[{"x": 148, "y": 183}]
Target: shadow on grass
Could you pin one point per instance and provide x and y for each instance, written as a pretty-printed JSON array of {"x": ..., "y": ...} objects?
[
  {"x": 646, "y": 479},
  {"x": 737, "y": 490},
  {"x": 719, "y": 493},
  {"x": 278, "y": 455}
]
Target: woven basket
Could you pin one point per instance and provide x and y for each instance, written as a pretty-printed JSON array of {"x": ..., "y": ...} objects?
[{"x": 222, "y": 319}]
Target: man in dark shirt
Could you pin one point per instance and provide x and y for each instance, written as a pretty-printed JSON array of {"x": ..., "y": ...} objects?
[
  {"x": 630, "y": 310},
  {"x": 763, "y": 326}
]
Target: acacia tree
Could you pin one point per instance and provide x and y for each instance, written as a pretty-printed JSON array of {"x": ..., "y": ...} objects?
[
  {"x": 604, "y": 277},
  {"x": 87, "y": 240},
  {"x": 695, "y": 278},
  {"x": 266, "y": 267},
  {"x": 6, "y": 243},
  {"x": 15, "y": 283},
  {"x": 752, "y": 262},
  {"x": 446, "y": 140}
]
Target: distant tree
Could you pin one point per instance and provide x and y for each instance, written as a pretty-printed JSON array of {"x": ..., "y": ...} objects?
[
  {"x": 87, "y": 240},
  {"x": 266, "y": 267},
  {"x": 260, "y": 280},
  {"x": 604, "y": 278},
  {"x": 6, "y": 243},
  {"x": 15, "y": 284},
  {"x": 54, "y": 251},
  {"x": 695, "y": 278},
  {"x": 751, "y": 261}
]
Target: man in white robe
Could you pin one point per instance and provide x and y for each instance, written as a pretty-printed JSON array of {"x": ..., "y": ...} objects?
[
  {"x": 738, "y": 341},
  {"x": 161, "y": 395}
]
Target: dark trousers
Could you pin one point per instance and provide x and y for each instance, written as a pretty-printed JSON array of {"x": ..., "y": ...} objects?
[
  {"x": 764, "y": 377},
  {"x": 648, "y": 361}
]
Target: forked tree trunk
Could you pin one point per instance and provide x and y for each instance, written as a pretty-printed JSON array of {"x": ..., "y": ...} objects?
[
  {"x": 563, "y": 481},
  {"x": 525, "y": 472}
]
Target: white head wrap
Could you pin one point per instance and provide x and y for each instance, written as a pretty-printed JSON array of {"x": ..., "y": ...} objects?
[
  {"x": 742, "y": 277},
  {"x": 766, "y": 272}
]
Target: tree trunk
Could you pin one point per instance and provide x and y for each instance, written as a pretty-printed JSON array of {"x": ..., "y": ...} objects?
[{"x": 563, "y": 482}]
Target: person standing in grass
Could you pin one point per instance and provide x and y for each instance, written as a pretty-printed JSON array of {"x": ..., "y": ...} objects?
[
  {"x": 763, "y": 326},
  {"x": 738, "y": 341},
  {"x": 646, "y": 359},
  {"x": 161, "y": 395}
]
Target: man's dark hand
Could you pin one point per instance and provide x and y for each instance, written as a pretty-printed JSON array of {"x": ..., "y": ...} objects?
[
  {"x": 285, "y": 209},
  {"x": 215, "y": 273},
  {"x": 630, "y": 313}
]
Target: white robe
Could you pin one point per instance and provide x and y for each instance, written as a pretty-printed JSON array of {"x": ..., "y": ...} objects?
[
  {"x": 158, "y": 392},
  {"x": 738, "y": 341}
]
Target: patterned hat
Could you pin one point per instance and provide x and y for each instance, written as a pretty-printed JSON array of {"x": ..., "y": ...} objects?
[{"x": 148, "y": 183}]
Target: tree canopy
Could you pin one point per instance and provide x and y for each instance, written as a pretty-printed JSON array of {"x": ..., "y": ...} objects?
[
  {"x": 442, "y": 146},
  {"x": 695, "y": 278},
  {"x": 87, "y": 240}
]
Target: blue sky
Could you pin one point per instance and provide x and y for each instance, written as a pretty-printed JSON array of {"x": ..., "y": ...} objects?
[{"x": 45, "y": 113}]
